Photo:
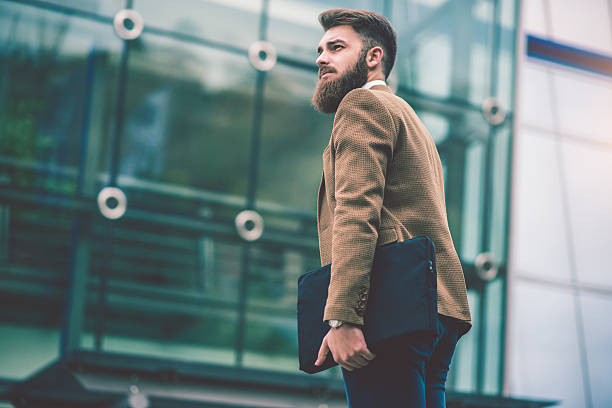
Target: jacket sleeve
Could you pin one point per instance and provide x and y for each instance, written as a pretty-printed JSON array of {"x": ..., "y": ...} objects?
[{"x": 363, "y": 139}]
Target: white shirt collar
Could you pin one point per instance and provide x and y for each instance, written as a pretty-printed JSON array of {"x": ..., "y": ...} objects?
[{"x": 370, "y": 84}]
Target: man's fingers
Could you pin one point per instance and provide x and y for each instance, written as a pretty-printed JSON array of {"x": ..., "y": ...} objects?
[
  {"x": 358, "y": 359},
  {"x": 349, "y": 365},
  {"x": 368, "y": 354},
  {"x": 322, "y": 352}
]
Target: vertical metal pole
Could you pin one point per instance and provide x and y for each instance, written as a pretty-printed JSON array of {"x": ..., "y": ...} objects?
[
  {"x": 120, "y": 111},
  {"x": 516, "y": 46},
  {"x": 113, "y": 175},
  {"x": 251, "y": 191},
  {"x": 461, "y": 41},
  {"x": 79, "y": 258},
  {"x": 487, "y": 207}
]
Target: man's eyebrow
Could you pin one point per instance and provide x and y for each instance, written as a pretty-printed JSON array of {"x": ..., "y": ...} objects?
[{"x": 331, "y": 43}]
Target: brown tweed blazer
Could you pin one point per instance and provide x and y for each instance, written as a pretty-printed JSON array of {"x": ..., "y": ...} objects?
[{"x": 382, "y": 182}]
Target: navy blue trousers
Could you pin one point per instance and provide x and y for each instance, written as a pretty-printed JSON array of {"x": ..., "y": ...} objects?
[{"x": 408, "y": 371}]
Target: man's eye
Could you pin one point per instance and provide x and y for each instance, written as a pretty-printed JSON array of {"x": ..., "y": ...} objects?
[{"x": 335, "y": 47}]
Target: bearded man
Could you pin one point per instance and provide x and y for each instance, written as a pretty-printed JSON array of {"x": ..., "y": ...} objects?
[{"x": 382, "y": 183}]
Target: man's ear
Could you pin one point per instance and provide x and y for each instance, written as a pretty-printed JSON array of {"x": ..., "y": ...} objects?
[{"x": 374, "y": 57}]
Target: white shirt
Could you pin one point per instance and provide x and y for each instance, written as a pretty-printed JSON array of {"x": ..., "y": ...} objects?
[{"x": 370, "y": 84}]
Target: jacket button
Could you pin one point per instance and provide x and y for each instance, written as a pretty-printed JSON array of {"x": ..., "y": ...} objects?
[
  {"x": 360, "y": 312},
  {"x": 364, "y": 291},
  {"x": 361, "y": 304},
  {"x": 363, "y": 296}
]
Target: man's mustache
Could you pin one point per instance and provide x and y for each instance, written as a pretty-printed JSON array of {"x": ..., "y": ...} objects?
[{"x": 324, "y": 71}]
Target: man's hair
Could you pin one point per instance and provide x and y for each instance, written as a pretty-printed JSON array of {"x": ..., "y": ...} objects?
[{"x": 374, "y": 29}]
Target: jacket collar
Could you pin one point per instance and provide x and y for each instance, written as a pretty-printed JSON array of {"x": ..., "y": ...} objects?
[{"x": 381, "y": 88}]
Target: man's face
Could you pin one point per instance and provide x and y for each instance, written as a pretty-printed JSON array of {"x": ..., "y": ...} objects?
[{"x": 342, "y": 67}]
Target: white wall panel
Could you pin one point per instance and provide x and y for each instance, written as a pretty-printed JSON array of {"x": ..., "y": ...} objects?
[
  {"x": 539, "y": 245},
  {"x": 585, "y": 105},
  {"x": 533, "y": 17},
  {"x": 585, "y": 24},
  {"x": 543, "y": 345},
  {"x": 534, "y": 103},
  {"x": 588, "y": 170}
]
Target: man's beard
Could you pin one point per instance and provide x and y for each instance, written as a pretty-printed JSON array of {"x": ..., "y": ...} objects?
[{"x": 329, "y": 93}]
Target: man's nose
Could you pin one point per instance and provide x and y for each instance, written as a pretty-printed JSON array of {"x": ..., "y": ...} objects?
[{"x": 322, "y": 59}]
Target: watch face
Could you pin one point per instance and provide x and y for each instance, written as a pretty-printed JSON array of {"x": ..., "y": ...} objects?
[{"x": 335, "y": 323}]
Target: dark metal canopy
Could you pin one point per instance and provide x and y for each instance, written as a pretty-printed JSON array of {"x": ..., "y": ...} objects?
[{"x": 87, "y": 379}]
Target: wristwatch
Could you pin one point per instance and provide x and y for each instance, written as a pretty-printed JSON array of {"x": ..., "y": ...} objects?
[{"x": 335, "y": 323}]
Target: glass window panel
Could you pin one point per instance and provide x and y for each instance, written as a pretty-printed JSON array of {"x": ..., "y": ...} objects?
[
  {"x": 499, "y": 189},
  {"x": 187, "y": 124},
  {"x": 462, "y": 372},
  {"x": 437, "y": 125},
  {"x": 103, "y": 7},
  {"x": 471, "y": 238},
  {"x": 480, "y": 69},
  {"x": 294, "y": 29},
  {"x": 506, "y": 83},
  {"x": 583, "y": 102},
  {"x": 234, "y": 22},
  {"x": 34, "y": 273},
  {"x": 293, "y": 138},
  {"x": 493, "y": 352},
  {"x": 596, "y": 312},
  {"x": 588, "y": 173},
  {"x": 543, "y": 354},
  {"x": 424, "y": 51},
  {"x": 585, "y": 27},
  {"x": 271, "y": 332},
  {"x": 539, "y": 237},
  {"x": 170, "y": 292},
  {"x": 49, "y": 72},
  {"x": 432, "y": 62},
  {"x": 444, "y": 48},
  {"x": 25, "y": 350}
]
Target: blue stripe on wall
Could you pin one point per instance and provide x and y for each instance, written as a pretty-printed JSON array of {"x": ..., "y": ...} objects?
[{"x": 558, "y": 53}]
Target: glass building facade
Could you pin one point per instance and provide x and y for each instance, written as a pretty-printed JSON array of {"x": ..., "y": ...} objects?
[{"x": 128, "y": 156}]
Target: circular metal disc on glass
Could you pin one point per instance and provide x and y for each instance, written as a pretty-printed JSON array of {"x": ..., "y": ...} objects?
[
  {"x": 486, "y": 266},
  {"x": 249, "y": 225},
  {"x": 493, "y": 112},
  {"x": 262, "y": 55},
  {"x": 128, "y": 24},
  {"x": 108, "y": 193}
]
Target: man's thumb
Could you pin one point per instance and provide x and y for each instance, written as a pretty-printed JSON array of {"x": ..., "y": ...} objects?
[{"x": 322, "y": 353}]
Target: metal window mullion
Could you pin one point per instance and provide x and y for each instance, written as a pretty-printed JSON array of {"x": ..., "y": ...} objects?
[{"x": 251, "y": 191}]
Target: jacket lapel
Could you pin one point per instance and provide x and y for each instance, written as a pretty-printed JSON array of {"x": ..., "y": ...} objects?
[{"x": 320, "y": 196}]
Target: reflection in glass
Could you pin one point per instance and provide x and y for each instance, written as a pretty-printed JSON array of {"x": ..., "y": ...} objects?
[
  {"x": 102, "y": 7},
  {"x": 47, "y": 79},
  {"x": 170, "y": 292},
  {"x": 444, "y": 48},
  {"x": 187, "y": 124},
  {"x": 34, "y": 265},
  {"x": 271, "y": 332},
  {"x": 228, "y": 22},
  {"x": 293, "y": 138}
]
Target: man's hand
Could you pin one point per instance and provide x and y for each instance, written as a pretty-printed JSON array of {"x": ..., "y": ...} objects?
[{"x": 348, "y": 347}]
